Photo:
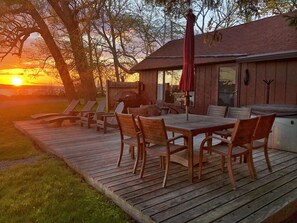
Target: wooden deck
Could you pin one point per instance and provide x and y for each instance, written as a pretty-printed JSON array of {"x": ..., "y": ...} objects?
[{"x": 271, "y": 198}]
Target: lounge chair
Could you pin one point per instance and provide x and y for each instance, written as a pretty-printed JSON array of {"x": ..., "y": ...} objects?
[
  {"x": 87, "y": 118},
  {"x": 105, "y": 120},
  {"x": 59, "y": 119},
  {"x": 68, "y": 111}
]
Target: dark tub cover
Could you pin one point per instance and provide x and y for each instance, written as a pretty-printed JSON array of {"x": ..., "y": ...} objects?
[{"x": 281, "y": 110}]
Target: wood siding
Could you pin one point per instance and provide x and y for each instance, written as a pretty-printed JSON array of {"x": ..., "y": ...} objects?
[
  {"x": 283, "y": 89},
  {"x": 149, "y": 79},
  {"x": 206, "y": 87}
]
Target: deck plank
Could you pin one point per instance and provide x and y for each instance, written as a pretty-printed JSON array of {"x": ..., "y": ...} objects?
[{"x": 271, "y": 198}]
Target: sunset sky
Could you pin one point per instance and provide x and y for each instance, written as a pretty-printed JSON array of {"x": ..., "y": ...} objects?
[{"x": 14, "y": 70}]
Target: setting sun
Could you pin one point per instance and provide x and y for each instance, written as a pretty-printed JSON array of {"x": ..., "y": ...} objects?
[{"x": 17, "y": 81}]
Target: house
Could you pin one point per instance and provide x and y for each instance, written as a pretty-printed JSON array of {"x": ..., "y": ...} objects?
[{"x": 254, "y": 63}]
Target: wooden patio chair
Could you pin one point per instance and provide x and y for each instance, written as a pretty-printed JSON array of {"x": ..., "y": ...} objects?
[
  {"x": 68, "y": 111},
  {"x": 157, "y": 143},
  {"x": 239, "y": 144},
  {"x": 130, "y": 135},
  {"x": 216, "y": 110},
  {"x": 59, "y": 119},
  {"x": 261, "y": 135},
  {"x": 139, "y": 111},
  {"x": 234, "y": 112},
  {"x": 87, "y": 118},
  {"x": 105, "y": 119}
]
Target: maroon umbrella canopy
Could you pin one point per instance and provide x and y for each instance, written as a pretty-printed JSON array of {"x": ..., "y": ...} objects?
[{"x": 187, "y": 79}]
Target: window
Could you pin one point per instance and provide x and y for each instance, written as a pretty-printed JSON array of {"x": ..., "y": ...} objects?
[
  {"x": 168, "y": 83},
  {"x": 227, "y": 85}
]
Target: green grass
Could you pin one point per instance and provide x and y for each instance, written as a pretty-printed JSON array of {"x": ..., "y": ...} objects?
[{"x": 46, "y": 190}]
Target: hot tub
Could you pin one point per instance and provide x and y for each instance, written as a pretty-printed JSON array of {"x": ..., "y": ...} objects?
[{"x": 284, "y": 129}]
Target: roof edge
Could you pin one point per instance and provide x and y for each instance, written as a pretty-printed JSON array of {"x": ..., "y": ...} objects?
[{"x": 268, "y": 56}]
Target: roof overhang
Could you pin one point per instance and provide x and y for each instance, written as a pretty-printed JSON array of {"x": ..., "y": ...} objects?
[{"x": 268, "y": 56}]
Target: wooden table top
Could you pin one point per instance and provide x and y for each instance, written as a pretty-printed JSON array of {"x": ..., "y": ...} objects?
[{"x": 196, "y": 124}]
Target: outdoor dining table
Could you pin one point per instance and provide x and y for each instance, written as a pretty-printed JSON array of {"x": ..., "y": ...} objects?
[{"x": 196, "y": 124}]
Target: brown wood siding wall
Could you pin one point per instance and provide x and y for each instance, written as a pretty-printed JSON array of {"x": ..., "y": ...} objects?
[
  {"x": 149, "y": 79},
  {"x": 283, "y": 90},
  {"x": 206, "y": 91}
]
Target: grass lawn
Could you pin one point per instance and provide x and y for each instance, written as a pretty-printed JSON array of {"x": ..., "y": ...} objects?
[{"x": 45, "y": 190}]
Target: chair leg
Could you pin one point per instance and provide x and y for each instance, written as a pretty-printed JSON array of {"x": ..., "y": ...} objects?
[
  {"x": 166, "y": 170},
  {"x": 230, "y": 172},
  {"x": 250, "y": 166},
  {"x": 137, "y": 159},
  {"x": 121, "y": 154},
  {"x": 223, "y": 163},
  {"x": 267, "y": 158},
  {"x": 200, "y": 163},
  {"x": 131, "y": 150},
  {"x": 143, "y": 163}
]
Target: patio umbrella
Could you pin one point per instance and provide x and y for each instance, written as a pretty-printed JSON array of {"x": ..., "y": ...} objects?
[{"x": 187, "y": 79}]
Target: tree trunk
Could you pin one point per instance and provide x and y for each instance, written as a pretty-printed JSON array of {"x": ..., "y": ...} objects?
[
  {"x": 56, "y": 53},
  {"x": 86, "y": 76}
]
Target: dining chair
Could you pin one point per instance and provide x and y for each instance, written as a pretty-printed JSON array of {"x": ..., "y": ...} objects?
[
  {"x": 107, "y": 119},
  {"x": 216, "y": 110},
  {"x": 138, "y": 111},
  {"x": 156, "y": 143},
  {"x": 239, "y": 144},
  {"x": 130, "y": 135},
  {"x": 234, "y": 112},
  {"x": 261, "y": 135},
  {"x": 87, "y": 118}
]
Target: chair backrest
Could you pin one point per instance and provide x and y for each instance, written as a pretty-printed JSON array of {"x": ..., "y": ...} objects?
[
  {"x": 119, "y": 109},
  {"x": 243, "y": 131},
  {"x": 127, "y": 125},
  {"x": 101, "y": 105},
  {"x": 139, "y": 111},
  {"x": 153, "y": 130},
  {"x": 235, "y": 112},
  {"x": 88, "y": 106},
  {"x": 264, "y": 126},
  {"x": 71, "y": 107},
  {"x": 216, "y": 110}
]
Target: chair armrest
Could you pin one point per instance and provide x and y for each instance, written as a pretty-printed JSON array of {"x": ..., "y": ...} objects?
[
  {"x": 214, "y": 137},
  {"x": 104, "y": 116},
  {"x": 86, "y": 113},
  {"x": 178, "y": 137}
]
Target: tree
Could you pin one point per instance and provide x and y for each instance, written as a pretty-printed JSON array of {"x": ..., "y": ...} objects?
[
  {"x": 68, "y": 12},
  {"x": 18, "y": 20}
]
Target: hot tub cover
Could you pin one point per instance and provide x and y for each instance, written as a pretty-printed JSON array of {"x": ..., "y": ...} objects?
[{"x": 281, "y": 110}]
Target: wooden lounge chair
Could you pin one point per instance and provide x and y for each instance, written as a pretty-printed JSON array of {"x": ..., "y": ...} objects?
[
  {"x": 59, "y": 119},
  {"x": 68, "y": 111},
  {"x": 157, "y": 143},
  {"x": 87, "y": 118},
  {"x": 130, "y": 135},
  {"x": 105, "y": 120},
  {"x": 239, "y": 144}
]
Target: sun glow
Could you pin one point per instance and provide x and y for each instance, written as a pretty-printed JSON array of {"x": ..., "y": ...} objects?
[{"x": 17, "y": 81}]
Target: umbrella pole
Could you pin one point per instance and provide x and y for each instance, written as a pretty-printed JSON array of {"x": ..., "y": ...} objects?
[{"x": 187, "y": 99}]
